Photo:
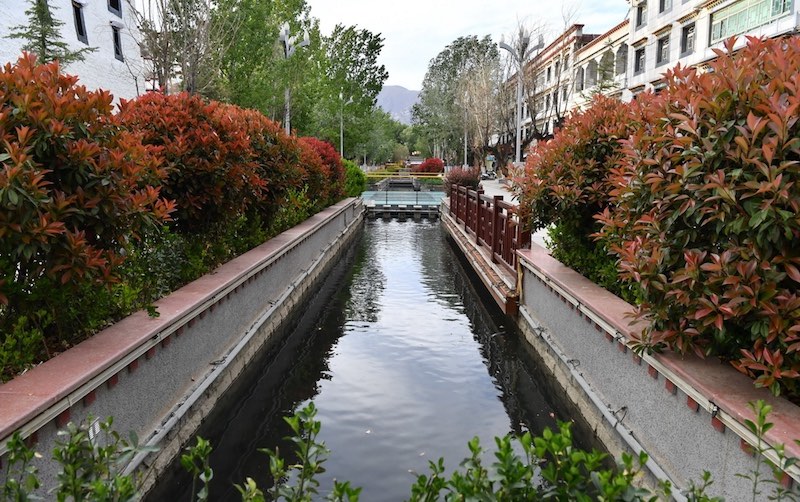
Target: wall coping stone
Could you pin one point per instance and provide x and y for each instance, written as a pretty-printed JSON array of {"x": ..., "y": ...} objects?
[
  {"x": 75, "y": 373},
  {"x": 723, "y": 390}
]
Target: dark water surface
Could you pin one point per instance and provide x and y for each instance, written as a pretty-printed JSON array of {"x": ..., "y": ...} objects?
[{"x": 405, "y": 362}]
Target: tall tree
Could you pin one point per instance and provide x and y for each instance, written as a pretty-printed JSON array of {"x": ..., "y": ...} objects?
[
  {"x": 184, "y": 41},
  {"x": 43, "y": 36},
  {"x": 440, "y": 109}
]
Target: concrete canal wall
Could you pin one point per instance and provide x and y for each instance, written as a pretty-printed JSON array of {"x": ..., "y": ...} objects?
[
  {"x": 687, "y": 414},
  {"x": 159, "y": 377}
]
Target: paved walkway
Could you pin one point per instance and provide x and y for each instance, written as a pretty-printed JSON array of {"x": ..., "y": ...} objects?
[{"x": 496, "y": 187}]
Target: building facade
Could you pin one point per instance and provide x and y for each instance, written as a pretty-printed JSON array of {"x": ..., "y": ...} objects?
[
  {"x": 664, "y": 33},
  {"x": 634, "y": 55},
  {"x": 109, "y": 26}
]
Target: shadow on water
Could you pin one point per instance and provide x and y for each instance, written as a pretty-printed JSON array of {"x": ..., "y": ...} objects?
[{"x": 406, "y": 359}]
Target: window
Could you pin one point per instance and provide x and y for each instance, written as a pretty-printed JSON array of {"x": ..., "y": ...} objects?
[
  {"x": 641, "y": 14},
  {"x": 638, "y": 61},
  {"x": 579, "y": 79},
  {"x": 557, "y": 68},
  {"x": 115, "y": 6},
  {"x": 548, "y": 74},
  {"x": 591, "y": 74},
  {"x": 622, "y": 59},
  {"x": 566, "y": 61},
  {"x": 606, "y": 66},
  {"x": 564, "y": 94},
  {"x": 664, "y": 5},
  {"x": 80, "y": 26},
  {"x": 547, "y": 102},
  {"x": 662, "y": 52},
  {"x": 745, "y": 15},
  {"x": 687, "y": 39},
  {"x": 117, "y": 43}
]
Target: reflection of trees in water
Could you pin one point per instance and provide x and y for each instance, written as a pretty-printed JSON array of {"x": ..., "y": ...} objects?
[
  {"x": 367, "y": 282},
  {"x": 437, "y": 262},
  {"x": 512, "y": 370}
]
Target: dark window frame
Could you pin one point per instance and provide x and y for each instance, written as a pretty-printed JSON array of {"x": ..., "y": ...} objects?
[
  {"x": 116, "y": 36},
  {"x": 80, "y": 23},
  {"x": 639, "y": 60},
  {"x": 685, "y": 30},
  {"x": 115, "y": 9},
  {"x": 662, "y": 44}
]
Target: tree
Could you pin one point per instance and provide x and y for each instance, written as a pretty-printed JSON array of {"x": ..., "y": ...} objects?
[
  {"x": 439, "y": 111},
  {"x": 184, "y": 41},
  {"x": 43, "y": 36}
]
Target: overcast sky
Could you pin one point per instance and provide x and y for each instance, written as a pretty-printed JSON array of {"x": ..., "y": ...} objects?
[{"x": 415, "y": 31}]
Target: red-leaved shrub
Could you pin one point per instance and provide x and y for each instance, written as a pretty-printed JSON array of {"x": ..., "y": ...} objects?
[
  {"x": 705, "y": 213},
  {"x": 75, "y": 189},
  {"x": 566, "y": 184},
  {"x": 470, "y": 177},
  {"x": 332, "y": 188},
  {"x": 211, "y": 172},
  {"x": 430, "y": 165}
]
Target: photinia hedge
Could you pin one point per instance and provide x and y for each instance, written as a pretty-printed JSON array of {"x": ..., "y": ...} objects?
[
  {"x": 332, "y": 183},
  {"x": 705, "y": 212},
  {"x": 84, "y": 195},
  {"x": 76, "y": 190},
  {"x": 206, "y": 151},
  {"x": 470, "y": 177},
  {"x": 566, "y": 184},
  {"x": 430, "y": 165}
]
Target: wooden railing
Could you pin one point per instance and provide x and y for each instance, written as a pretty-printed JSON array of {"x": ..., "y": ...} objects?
[{"x": 494, "y": 223}]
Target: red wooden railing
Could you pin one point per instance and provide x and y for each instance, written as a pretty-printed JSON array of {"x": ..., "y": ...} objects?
[{"x": 494, "y": 223}]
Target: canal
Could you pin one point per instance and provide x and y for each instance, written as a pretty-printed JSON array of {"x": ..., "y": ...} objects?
[{"x": 406, "y": 360}]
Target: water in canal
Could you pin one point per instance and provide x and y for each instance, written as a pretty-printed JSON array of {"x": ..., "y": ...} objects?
[{"x": 405, "y": 360}]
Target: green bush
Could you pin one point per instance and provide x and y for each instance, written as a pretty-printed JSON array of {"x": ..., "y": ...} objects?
[
  {"x": 355, "y": 179},
  {"x": 706, "y": 213}
]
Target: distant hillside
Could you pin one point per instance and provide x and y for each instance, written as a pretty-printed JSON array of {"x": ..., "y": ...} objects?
[{"x": 397, "y": 102}]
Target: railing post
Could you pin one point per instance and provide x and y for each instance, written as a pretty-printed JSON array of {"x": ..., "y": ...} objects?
[
  {"x": 495, "y": 225},
  {"x": 476, "y": 219}
]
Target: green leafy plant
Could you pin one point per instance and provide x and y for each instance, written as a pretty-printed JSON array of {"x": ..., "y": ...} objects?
[
  {"x": 196, "y": 462},
  {"x": 355, "y": 179},
  {"x": 92, "y": 467},
  {"x": 21, "y": 477}
]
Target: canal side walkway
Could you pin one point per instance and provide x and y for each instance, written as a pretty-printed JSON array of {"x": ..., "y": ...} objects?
[{"x": 503, "y": 187}]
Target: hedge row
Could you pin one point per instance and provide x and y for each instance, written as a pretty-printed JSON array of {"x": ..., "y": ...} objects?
[
  {"x": 102, "y": 213},
  {"x": 695, "y": 193}
]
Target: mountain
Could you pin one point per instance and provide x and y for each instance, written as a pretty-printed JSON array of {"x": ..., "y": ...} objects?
[{"x": 397, "y": 101}]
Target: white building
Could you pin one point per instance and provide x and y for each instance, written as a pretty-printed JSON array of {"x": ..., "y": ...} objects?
[
  {"x": 601, "y": 66},
  {"x": 107, "y": 25},
  {"x": 666, "y": 32}
]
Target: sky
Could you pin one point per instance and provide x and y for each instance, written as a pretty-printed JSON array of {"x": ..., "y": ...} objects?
[{"x": 415, "y": 31}]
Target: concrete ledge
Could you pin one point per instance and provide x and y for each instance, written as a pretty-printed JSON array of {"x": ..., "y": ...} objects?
[
  {"x": 150, "y": 374},
  {"x": 683, "y": 425}
]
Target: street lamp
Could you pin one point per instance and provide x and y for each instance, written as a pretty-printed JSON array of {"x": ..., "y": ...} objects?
[
  {"x": 290, "y": 45},
  {"x": 520, "y": 54}
]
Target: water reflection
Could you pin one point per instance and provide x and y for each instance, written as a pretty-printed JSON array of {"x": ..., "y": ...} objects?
[{"x": 404, "y": 361}]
